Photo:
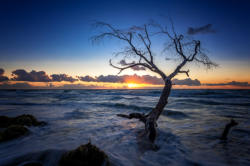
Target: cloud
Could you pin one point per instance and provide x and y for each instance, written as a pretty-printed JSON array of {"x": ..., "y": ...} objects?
[
  {"x": 86, "y": 78},
  {"x": 238, "y": 83},
  {"x": 135, "y": 68},
  {"x": 233, "y": 83},
  {"x": 110, "y": 78},
  {"x": 202, "y": 30},
  {"x": 187, "y": 81},
  {"x": 123, "y": 62},
  {"x": 62, "y": 77},
  {"x": 145, "y": 79},
  {"x": 102, "y": 78},
  {"x": 1, "y": 71},
  {"x": 40, "y": 76},
  {"x": 3, "y": 78},
  {"x": 33, "y": 76}
]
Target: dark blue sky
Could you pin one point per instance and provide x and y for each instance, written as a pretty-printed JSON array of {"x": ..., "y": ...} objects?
[{"x": 33, "y": 32}]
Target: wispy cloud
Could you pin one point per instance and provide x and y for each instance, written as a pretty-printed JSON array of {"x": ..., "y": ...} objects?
[
  {"x": 233, "y": 83},
  {"x": 135, "y": 68},
  {"x": 202, "y": 30}
]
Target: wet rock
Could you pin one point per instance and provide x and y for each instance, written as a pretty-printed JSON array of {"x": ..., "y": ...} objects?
[
  {"x": 13, "y": 131},
  {"x": 25, "y": 119},
  {"x": 84, "y": 155},
  {"x": 5, "y": 121}
]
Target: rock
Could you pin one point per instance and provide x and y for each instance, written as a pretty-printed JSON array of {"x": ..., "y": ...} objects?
[
  {"x": 5, "y": 121},
  {"x": 84, "y": 155},
  {"x": 27, "y": 120},
  {"x": 13, "y": 131},
  {"x": 24, "y": 119}
]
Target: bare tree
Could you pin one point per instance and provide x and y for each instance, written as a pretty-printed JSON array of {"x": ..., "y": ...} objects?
[{"x": 139, "y": 53}]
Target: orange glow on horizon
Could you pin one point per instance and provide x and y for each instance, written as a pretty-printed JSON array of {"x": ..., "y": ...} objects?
[
  {"x": 132, "y": 85},
  {"x": 105, "y": 85}
]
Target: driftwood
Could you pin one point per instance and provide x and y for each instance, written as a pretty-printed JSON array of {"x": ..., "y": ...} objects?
[
  {"x": 227, "y": 128},
  {"x": 138, "y": 54}
]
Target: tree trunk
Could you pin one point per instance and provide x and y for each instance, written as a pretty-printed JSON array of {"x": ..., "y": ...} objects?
[
  {"x": 150, "y": 119},
  {"x": 150, "y": 125}
]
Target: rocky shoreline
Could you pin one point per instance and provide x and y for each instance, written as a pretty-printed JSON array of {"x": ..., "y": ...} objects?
[{"x": 85, "y": 155}]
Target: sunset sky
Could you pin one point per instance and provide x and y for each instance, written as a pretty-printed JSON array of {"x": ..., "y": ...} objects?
[{"x": 53, "y": 39}]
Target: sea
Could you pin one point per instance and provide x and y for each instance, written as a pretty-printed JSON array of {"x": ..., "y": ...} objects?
[{"x": 188, "y": 132}]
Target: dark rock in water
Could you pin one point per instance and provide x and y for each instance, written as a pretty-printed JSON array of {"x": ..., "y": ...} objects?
[
  {"x": 5, "y": 121},
  {"x": 27, "y": 120},
  {"x": 15, "y": 126},
  {"x": 24, "y": 119},
  {"x": 13, "y": 131},
  {"x": 84, "y": 155}
]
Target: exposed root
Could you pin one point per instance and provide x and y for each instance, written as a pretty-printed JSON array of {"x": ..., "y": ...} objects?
[
  {"x": 139, "y": 116},
  {"x": 150, "y": 127},
  {"x": 150, "y": 123}
]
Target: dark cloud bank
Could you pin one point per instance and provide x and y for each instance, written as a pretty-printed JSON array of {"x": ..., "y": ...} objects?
[
  {"x": 33, "y": 76},
  {"x": 146, "y": 79},
  {"x": 233, "y": 83},
  {"x": 62, "y": 77},
  {"x": 41, "y": 76},
  {"x": 2, "y": 77}
]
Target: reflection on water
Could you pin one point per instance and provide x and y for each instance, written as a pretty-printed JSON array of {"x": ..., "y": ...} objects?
[{"x": 188, "y": 130}]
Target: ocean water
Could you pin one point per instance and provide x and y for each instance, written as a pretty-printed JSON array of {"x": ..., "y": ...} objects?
[{"x": 188, "y": 129}]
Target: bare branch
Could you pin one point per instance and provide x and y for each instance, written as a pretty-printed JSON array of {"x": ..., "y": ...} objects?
[
  {"x": 139, "y": 116},
  {"x": 120, "y": 35},
  {"x": 149, "y": 44},
  {"x": 177, "y": 70},
  {"x": 172, "y": 26},
  {"x": 130, "y": 65},
  {"x": 196, "y": 49},
  {"x": 183, "y": 71},
  {"x": 196, "y": 52},
  {"x": 207, "y": 62},
  {"x": 186, "y": 50},
  {"x": 178, "y": 46}
]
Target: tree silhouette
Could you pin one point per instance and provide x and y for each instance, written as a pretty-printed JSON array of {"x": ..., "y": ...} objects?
[{"x": 138, "y": 51}]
